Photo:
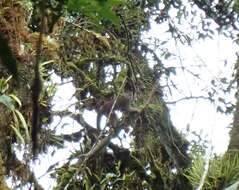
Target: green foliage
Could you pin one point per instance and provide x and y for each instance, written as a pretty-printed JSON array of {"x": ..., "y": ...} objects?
[
  {"x": 96, "y": 9},
  {"x": 223, "y": 171},
  {"x": 22, "y": 127},
  {"x": 7, "y": 101},
  {"x": 236, "y": 6},
  {"x": 97, "y": 63},
  {"x": 18, "y": 123},
  {"x": 195, "y": 172}
]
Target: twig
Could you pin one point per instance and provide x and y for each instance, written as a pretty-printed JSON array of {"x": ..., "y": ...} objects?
[{"x": 188, "y": 98}]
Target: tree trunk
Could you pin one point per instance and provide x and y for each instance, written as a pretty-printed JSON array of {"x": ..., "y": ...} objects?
[{"x": 234, "y": 133}]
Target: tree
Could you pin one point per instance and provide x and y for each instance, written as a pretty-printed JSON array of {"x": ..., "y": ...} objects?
[{"x": 97, "y": 45}]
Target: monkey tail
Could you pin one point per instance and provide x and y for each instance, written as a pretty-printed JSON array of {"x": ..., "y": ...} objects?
[{"x": 36, "y": 88}]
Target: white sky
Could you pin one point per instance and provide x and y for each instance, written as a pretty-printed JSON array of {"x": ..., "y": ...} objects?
[{"x": 200, "y": 115}]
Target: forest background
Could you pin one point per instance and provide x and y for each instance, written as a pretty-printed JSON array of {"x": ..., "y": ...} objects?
[{"x": 128, "y": 80}]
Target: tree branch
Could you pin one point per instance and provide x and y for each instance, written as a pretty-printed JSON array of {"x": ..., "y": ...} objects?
[{"x": 189, "y": 98}]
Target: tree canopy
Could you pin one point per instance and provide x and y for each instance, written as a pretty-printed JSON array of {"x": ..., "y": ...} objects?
[{"x": 98, "y": 47}]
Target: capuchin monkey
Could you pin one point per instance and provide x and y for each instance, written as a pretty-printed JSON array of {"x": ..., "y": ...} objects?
[{"x": 121, "y": 104}]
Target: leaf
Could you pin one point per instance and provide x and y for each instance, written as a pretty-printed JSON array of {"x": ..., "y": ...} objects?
[
  {"x": 16, "y": 99},
  {"x": 24, "y": 124},
  {"x": 4, "y": 84},
  {"x": 96, "y": 9},
  {"x": 101, "y": 38},
  {"x": 167, "y": 55},
  {"x": 219, "y": 109},
  {"x": 222, "y": 100},
  {"x": 233, "y": 186},
  {"x": 15, "y": 120},
  {"x": 18, "y": 134},
  {"x": 7, "y": 101},
  {"x": 236, "y": 6}
]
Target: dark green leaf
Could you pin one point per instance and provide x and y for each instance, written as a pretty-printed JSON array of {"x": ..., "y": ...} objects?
[
  {"x": 96, "y": 9},
  {"x": 7, "y": 101}
]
